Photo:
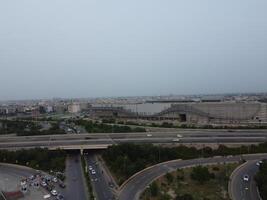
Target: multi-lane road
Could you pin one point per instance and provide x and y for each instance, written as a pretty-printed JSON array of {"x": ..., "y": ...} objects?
[
  {"x": 133, "y": 188},
  {"x": 99, "y": 182},
  {"x": 75, "y": 181},
  {"x": 105, "y": 139},
  {"x": 241, "y": 189}
]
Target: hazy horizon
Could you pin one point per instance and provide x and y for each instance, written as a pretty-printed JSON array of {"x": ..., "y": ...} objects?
[{"x": 87, "y": 49}]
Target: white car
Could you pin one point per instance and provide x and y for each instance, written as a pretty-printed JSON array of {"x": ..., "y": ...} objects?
[
  {"x": 246, "y": 177},
  {"x": 47, "y": 196},
  {"x": 54, "y": 192},
  {"x": 23, "y": 182},
  {"x": 259, "y": 163},
  {"x": 179, "y": 136},
  {"x": 176, "y": 140},
  {"x": 90, "y": 168},
  {"x": 93, "y": 172},
  {"x": 54, "y": 180},
  {"x": 43, "y": 184},
  {"x": 149, "y": 135}
]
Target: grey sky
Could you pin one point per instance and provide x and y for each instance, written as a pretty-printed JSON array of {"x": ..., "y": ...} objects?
[{"x": 87, "y": 48}]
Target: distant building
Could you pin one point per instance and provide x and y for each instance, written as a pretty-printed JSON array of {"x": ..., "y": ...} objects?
[
  {"x": 211, "y": 112},
  {"x": 74, "y": 108}
]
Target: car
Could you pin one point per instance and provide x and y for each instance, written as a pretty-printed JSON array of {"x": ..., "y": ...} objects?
[
  {"x": 176, "y": 140},
  {"x": 43, "y": 183},
  {"x": 47, "y": 196},
  {"x": 179, "y": 136},
  {"x": 60, "y": 197},
  {"x": 23, "y": 182},
  {"x": 31, "y": 177},
  {"x": 246, "y": 177},
  {"x": 111, "y": 185},
  {"x": 62, "y": 185},
  {"x": 54, "y": 192},
  {"x": 49, "y": 187},
  {"x": 90, "y": 167},
  {"x": 36, "y": 184},
  {"x": 93, "y": 172},
  {"x": 149, "y": 135},
  {"x": 24, "y": 189},
  {"x": 259, "y": 163},
  {"x": 54, "y": 180},
  {"x": 48, "y": 178}
]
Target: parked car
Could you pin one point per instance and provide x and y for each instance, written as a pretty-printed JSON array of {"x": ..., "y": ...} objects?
[
  {"x": 60, "y": 197},
  {"x": 62, "y": 185},
  {"x": 43, "y": 183},
  {"x": 54, "y": 192},
  {"x": 259, "y": 163}
]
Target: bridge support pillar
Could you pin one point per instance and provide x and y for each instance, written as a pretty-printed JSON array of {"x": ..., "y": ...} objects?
[{"x": 81, "y": 151}]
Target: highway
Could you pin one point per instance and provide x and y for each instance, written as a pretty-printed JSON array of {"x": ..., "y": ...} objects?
[
  {"x": 244, "y": 190},
  {"x": 99, "y": 182},
  {"x": 132, "y": 189},
  {"x": 106, "y": 139},
  {"x": 75, "y": 183}
]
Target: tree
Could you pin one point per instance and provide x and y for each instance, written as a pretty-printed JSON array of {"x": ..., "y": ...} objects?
[
  {"x": 201, "y": 174},
  {"x": 169, "y": 178},
  {"x": 154, "y": 189},
  {"x": 261, "y": 180},
  {"x": 184, "y": 197}
]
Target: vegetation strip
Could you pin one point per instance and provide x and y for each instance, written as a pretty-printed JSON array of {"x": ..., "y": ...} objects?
[
  {"x": 42, "y": 159},
  {"x": 261, "y": 180},
  {"x": 124, "y": 160}
]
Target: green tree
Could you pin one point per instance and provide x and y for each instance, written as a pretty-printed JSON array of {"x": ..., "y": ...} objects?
[
  {"x": 184, "y": 197},
  {"x": 154, "y": 189},
  {"x": 169, "y": 178},
  {"x": 201, "y": 174},
  {"x": 261, "y": 180}
]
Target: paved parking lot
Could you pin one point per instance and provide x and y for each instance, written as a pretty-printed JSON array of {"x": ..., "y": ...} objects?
[{"x": 10, "y": 181}]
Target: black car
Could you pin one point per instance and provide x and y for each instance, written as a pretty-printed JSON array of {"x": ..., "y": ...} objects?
[
  {"x": 60, "y": 197},
  {"x": 62, "y": 185}
]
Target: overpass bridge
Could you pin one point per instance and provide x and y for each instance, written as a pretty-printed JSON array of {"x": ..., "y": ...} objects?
[{"x": 99, "y": 141}]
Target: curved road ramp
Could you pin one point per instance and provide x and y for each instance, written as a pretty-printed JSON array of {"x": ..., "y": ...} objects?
[
  {"x": 135, "y": 185},
  {"x": 241, "y": 188}
]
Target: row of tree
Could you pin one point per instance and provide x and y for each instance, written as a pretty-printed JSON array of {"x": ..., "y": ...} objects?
[
  {"x": 42, "y": 159},
  {"x": 261, "y": 179},
  {"x": 126, "y": 159}
]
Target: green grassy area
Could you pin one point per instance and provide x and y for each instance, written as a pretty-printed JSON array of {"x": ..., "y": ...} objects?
[{"x": 180, "y": 185}]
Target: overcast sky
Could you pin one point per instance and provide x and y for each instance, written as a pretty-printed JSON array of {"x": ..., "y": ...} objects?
[{"x": 94, "y": 48}]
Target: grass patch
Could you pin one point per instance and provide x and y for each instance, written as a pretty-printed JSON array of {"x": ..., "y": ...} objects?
[{"x": 179, "y": 184}]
